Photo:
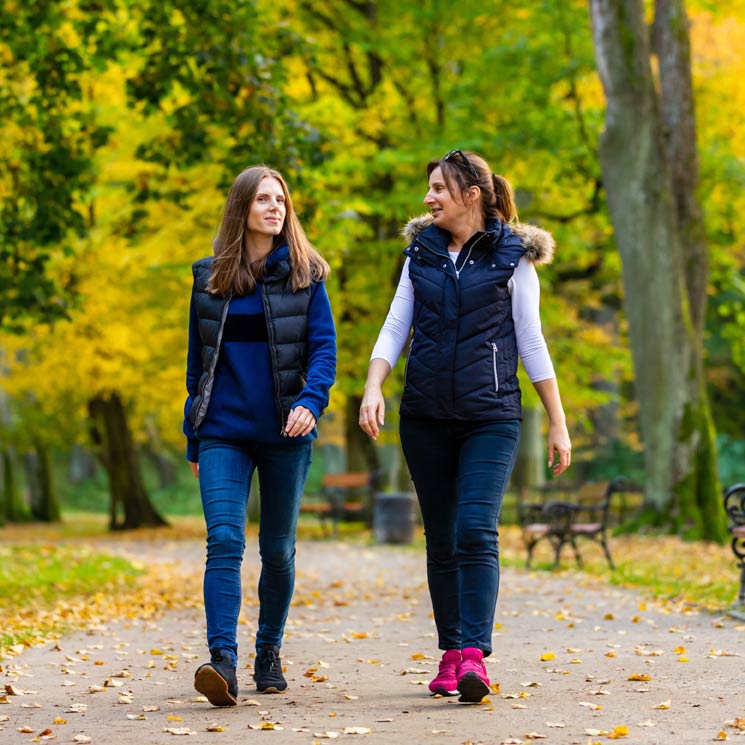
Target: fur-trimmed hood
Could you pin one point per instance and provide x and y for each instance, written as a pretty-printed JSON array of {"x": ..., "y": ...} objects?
[{"x": 539, "y": 244}]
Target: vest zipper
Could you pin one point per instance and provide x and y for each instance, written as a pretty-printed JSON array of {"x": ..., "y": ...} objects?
[
  {"x": 465, "y": 261},
  {"x": 273, "y": 354},
  {"x": 213, "y": 363},
  {"x": 494, "y": 366}
]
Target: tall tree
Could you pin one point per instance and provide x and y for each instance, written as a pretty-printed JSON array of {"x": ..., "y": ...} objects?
[{"x": 650, "y": 208}]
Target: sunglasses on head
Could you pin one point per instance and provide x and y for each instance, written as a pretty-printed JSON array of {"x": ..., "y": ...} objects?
[{"x": 458, "y": 156}]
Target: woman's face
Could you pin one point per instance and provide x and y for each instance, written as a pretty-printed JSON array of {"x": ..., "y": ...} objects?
[
  {"x": 446, "y": 210},
  {"x": 268, "y": 209}
]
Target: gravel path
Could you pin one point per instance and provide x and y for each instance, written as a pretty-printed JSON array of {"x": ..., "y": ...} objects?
[{"x": 574, "y": 658}]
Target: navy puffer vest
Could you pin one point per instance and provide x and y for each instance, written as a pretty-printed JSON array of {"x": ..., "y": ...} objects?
[
  {"x": 463, "y": 359},
  {"x": 286, "y": 315}
]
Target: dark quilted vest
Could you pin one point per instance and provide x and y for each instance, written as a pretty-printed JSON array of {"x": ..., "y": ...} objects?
[
  {"x": 463, "y": 359},
  {"x": 286, "y": 315}
]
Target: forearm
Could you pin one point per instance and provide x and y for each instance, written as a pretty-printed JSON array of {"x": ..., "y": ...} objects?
[
  {"x": 548, "y": 391},
  {"x": 378, "y": 371}
]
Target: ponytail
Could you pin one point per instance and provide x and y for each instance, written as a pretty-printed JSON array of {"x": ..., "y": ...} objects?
[{"x": 504, "y": 199}]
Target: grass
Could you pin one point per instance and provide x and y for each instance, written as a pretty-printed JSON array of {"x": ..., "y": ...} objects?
[
  {"x": 37, "y": 578},
  {"x": 58, "y": 577}
]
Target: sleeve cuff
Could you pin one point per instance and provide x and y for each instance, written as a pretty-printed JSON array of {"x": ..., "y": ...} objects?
[
  {"x": 312, "y": 408},
  {"x": 192, "y": 450}
]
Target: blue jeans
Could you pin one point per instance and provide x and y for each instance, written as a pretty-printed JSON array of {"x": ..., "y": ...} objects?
[
  {"x": 225, "y": 471},
  {"x": 460, "y": 471}
]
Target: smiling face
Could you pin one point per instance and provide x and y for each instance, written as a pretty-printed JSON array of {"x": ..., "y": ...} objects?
[
  {"x": 447, "y": 211},
  {"x": 266, "y": 215}
]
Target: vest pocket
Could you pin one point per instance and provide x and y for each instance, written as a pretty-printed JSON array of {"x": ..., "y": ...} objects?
[{"x": 494, "y": 351}]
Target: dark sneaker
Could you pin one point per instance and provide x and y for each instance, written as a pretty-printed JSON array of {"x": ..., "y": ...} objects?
[
  {"x": 216, "y": 680},
  {"x": 473, "y": 682},
  {"x": 268, "y": 671}
]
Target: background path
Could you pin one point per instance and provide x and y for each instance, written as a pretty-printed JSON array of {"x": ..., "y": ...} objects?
[{"x": 360, "y": 649}]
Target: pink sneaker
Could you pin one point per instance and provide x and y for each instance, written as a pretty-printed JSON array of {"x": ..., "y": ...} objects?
[
  {"x": 446, "y": 682},
  {"x": 473, "y": 682}
]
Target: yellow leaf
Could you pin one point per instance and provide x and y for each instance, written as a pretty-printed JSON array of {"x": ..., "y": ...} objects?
[
  {"x": 618, "y": 732},
  {"x": 174, "y": 718},
  {"x": 360, "y": 635},
  {"x": 682, "y": 659},
  {"x": 721, "y": 735},
  {"x": 679, "y": 650},
  {"x": 59, "y": 720},
  {"x": 609, "y": 617},
  {"x": 664, "y": 704},
  {"x": 215, "y": 728},
  {"x": 610, "y": 654},
  {"x": 637, "y": 676},
  {"x": 156, "y": 651},
  {"x": 546, "y": 656}
]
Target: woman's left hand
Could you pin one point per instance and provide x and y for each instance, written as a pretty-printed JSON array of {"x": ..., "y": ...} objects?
[
  {"x": 300, "y": 422},
  {"x": 559, "y": 445}
]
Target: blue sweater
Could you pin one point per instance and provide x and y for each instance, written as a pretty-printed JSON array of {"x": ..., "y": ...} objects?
[{"x": 242, "y": 407}]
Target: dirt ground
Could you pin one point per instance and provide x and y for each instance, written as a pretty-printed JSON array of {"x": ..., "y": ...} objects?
[{"x": 576, "y": 661}]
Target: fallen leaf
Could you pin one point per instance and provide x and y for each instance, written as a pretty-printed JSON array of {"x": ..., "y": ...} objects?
[
  {"x": 546, "y": 656},
  {"x": 356, "y": 730},
  {"x": 679, "y": 650},
  {"x": 350, "y": 697},
  {"x": 4, "y": 718},
  {"x": 639, "y": 676},
  {"x": 326, "y": 735},
  {"x": 59, "y": 720},
  {"x": 664, "y": 704},
  {"x": 133, "y": 717},
  {"x": 534, "y": 736},
  {"x": 174, "y": 718},
  {"x": 647, "y": 723},
  {"x": 151, "y": 708},
  {"x": 179, "y": 731},
  {"x": 618, "y": 732},
  {"x": 215, "y": 728},
  {"x": 26, "y": 730},
  {"x": 11, "y": 690},
  {"x": 555, "y": 724},
  {"x": 721, "y": 735},
  {"x": 595, "y": 732},
  {"x": 82, "y": 739},
  {"x": 587, "y": 704}
]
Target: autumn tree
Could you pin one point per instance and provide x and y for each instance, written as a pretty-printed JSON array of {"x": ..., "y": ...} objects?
[{"x": 648, "y": 156}]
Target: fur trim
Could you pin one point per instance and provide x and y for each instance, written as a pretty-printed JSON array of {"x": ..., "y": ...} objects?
[
  {"x": 539, "y": 244},
  {"x": 415, "y": 226}
]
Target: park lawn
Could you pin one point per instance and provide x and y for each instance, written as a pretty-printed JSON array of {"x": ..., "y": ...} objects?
[
  {"x": 663, "y": 566},
  {"x": 55, "y": 578}
]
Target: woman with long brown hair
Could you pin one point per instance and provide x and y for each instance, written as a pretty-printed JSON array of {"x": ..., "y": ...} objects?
[
  {"x": 261, "y": 360},
  {"x": 470, "y": 291}
]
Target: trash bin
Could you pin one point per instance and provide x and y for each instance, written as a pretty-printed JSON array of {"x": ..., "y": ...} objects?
[{"x": 394, "y": 517}]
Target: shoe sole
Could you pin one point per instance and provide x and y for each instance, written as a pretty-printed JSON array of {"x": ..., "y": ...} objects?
[
  {"x": 443, "y": 692},
  {"x": 472, "y": 689},
  {"x": 213, "y": 687},
  {"x": 271, "y": 689}
]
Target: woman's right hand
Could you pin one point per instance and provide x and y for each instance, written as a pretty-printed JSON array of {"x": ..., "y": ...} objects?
[
  {"x": 372, "y": 410},
  {"x": 194, "y": 468}
]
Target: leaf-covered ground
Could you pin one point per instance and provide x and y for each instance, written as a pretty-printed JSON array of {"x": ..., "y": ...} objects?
[{"x": 576, "y": 660}]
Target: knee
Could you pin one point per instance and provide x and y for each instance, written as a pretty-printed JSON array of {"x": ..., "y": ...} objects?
[
  {"x": 225, "y": 540},
  {"x": 477, "y": 538},
  {"x": 278, "y": 554}
]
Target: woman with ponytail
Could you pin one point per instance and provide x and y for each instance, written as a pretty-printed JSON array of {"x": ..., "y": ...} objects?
[
  {"x": 261, "y": 361},
  {"x": 470, "y": 290}
]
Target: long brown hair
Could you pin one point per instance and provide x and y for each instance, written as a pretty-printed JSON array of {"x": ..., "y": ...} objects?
[
  {"x": 462, "y": 170},
  {"x": 232, "y": 272}
]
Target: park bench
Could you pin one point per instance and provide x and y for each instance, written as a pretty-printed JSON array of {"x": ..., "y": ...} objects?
[
  {"x": 734, "y": 505},
  {"x": 345, "y": 497},
  {"x": 583, "y": 512}
]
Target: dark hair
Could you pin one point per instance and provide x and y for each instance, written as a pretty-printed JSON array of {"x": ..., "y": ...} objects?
[
  {"x": 462, "y": 170},
  {"x": 231, "y": 270}
]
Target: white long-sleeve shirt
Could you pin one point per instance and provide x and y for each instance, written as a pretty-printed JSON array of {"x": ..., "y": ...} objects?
[{"x": 525, "y": 292}]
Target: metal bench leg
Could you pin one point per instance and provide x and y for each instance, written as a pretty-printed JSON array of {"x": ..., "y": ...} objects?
[
  {"x": 557, "y": 552},
  {"x": 741, "y": 597},
  {"x": 606, "y": 551},
  {"x": 577, "y": 554},
  {"x": 530, "y": 547}
]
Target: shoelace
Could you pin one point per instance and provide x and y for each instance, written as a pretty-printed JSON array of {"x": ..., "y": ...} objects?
[{"x": 273, "y": 660}]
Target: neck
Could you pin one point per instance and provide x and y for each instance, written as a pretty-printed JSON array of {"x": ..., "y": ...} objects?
[
  {"x": 258, "y": 246},
  {"x": 462, "y": 232}
]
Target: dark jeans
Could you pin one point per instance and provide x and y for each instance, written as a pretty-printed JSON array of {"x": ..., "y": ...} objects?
[
  {"x": 225, "y": 471},
  {"x": 460, "y": 470}
]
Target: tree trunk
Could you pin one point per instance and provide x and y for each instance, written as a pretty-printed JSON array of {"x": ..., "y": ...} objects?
[
  {"x": 673, "y": 49},
  {"x": 44, "y": 503},
  {"x": 11, "y": 505},
  {"x": 682, "y": 487},
  {"x": 362, "y": 453},
  {"x": 530, "y": 464},
  {"x": 116, "y": 450}
]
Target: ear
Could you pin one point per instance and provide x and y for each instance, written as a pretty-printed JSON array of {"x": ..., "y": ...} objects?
[{"x": 474, "y": 194}]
